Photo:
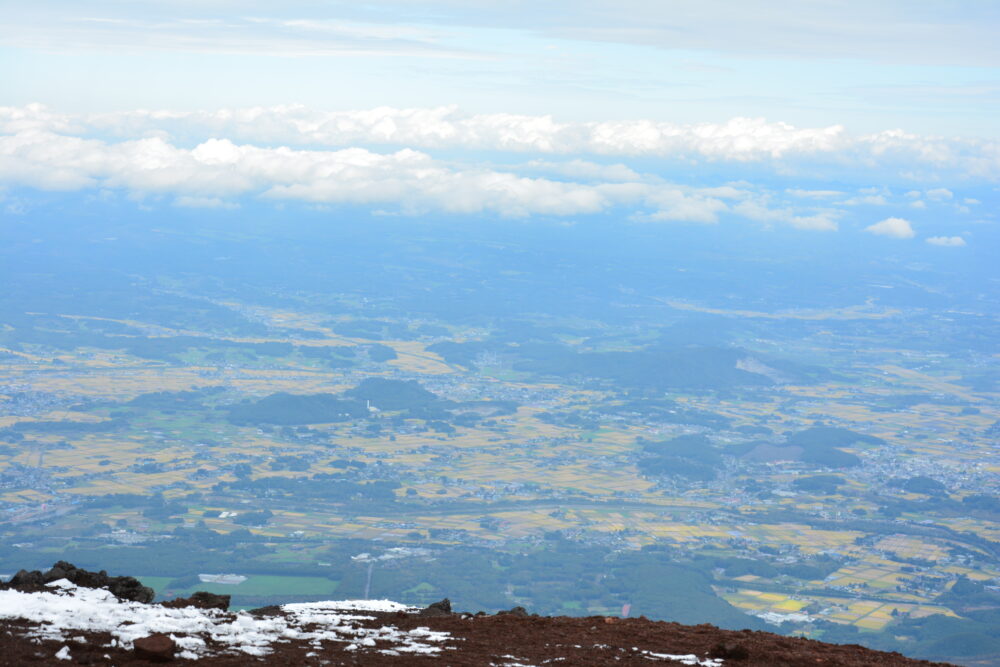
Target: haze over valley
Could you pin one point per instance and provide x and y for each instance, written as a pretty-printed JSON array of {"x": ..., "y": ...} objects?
[{"x": 608, "y": 347}]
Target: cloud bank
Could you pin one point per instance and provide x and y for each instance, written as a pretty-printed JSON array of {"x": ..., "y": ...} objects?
[
  {"x": 739, "y": 140},
  {"x": 417, "y": 161},
  {"x": 415, "y": 182}
]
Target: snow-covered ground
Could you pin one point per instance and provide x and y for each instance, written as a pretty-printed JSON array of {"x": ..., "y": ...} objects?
[{"x": 68, "y": 609}]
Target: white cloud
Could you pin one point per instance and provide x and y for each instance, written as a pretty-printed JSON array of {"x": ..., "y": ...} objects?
[
  {"x": 385, "y": 158},
  {"x": 939, "y": 194},
  {"x": 896, "y": 228},
  {"x": 204, "y": 202},
  {"x": 866, "y": 200},
  {"x": 674, "y": 204},
  {"x": 739, "y": 140},
  {"x": 233, "y": 35},
  {"x": 889, "y": 30},
  {"x": 758, "y": 208},
  {"x": 582, "y": 169},
  {"x": 814, "y": 194},
  {"x": 214, "y": 172},
  {"x": 823, "y": 222},
  {"x": 947, "y": 241}
]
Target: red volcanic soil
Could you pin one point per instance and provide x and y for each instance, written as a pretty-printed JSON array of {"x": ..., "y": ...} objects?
[{"x": 503, "y": 639}]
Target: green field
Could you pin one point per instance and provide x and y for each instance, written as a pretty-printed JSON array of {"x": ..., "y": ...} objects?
[{"x": 280, "y": 588}]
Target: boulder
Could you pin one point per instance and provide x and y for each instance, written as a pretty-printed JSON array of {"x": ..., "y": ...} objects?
[
  {"x": 442, "y": 608},
  {"x": 25, "y": 579},
  {"x": 269, "y": 610},
  {"x": 155, "y": 648},
  {"x": 729, "y": 651},
  {"x": 200, "y": 600},
  {"x": 130, "y": 588},
  {"x": 520, "y": 612}
]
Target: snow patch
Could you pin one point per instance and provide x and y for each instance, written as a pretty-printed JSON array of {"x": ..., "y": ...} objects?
[
  {"x": 689, "y": 659},
  {"x": 67, "y": 609}
]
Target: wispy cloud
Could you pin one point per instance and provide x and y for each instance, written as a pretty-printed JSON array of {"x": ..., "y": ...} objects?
[
  {"x": 947, "y": 241},
  {"x": 887, "y": 31},
  {"x": 961, "y": 32},
  {"x": 234, "y": 35},
  {"x": 814, "y": 194},
  {"x": 814, "y": 63}
]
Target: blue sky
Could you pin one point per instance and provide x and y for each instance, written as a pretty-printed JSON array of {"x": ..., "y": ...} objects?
[{"x": 820, "y": 115}]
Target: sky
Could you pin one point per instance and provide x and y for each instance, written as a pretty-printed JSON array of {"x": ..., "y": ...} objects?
[{"x": 878, "y": 118}]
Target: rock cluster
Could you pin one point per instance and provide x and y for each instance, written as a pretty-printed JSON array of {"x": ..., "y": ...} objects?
[
  {"x": 123, "y": 588},
  {"x": 442, "y": 608},
  {"x": 200, "y": 600}
]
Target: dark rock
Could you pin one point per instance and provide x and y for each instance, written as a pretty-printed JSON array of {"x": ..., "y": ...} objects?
[
  {"x": 156, "y": 647},
  {"x": 56, "y": 573},
  {"x": 23, "y": 578},
  {"x": 442, "y": 608},
  {"x": 200, "y": 600},
  {"x": 520, "y": 612},
  {"x": 269, "y": 610},
  {"x": 129, "y": 588},
  {"x": 212, "y": 600},
  {"x": 729, "y": 651},
  {"x": 124, "y": 588}
]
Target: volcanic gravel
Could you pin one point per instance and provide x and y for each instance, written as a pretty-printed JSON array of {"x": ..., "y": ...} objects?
[{"x": 504, "y": 639}]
